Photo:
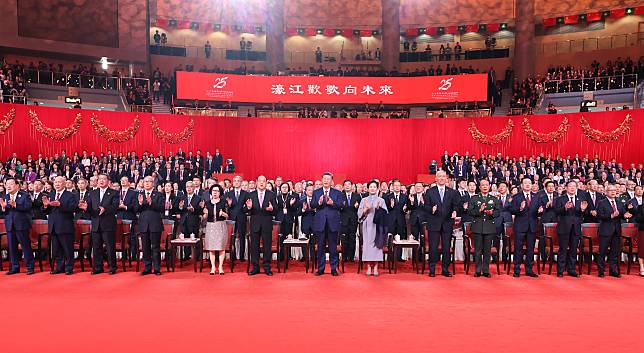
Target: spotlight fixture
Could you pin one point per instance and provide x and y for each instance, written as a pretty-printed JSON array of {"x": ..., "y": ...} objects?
[
  {"x": 300, "y": 31},
  {"x": 582, "y": 17},
  {"x": 338, "y": 31},
  {"x": 606, "y": 13},
  {"x": 630, "y": 11},
  {"x": 482, "y": 27},
  {"x": 173, "y": 23},
  {"x": 216, "y": 27},
  {"x": 440, "y": 31},
  {"x": 356, "y": 32},
  {"x": 504, "y": 26},
  {"x": 374, "y": 32},
  {"x": 194, "y": 25},
  {"x": 320, "y": 31},
  {"x": 560, "y": 20}
]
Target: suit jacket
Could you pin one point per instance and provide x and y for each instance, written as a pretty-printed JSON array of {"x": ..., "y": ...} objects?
[
  {"x": 306, "y": 222},
  {"x": 261, "y": 220},
  {"x": 107, "y": 221},
  {"x": 130, "y": 200},
  {"x": 327, "y": 214},
  {"x": 549, "y": 215},
  {"x": 417, "y": 213},
  {"x": 36, "y": 206},
  {"x": 236, "y": 209},
  {"x": 569, "y": 220},
  {"x": 150, "y": 213},
  {"x": 592, "y": 206},
  {"x": 218, "y": 159},
  {"x": 19, "y": 217},
  {"x": 607, "y": 224},
  {"x": 396, "y": 214},
  {"x": 505, "y": 216},
  {"x": 525, "y": 220},
  {"x": 291, "y": 210},
  {"x": 81, "y": 214},
  {"x": 60, "y": 219},
  {"x": 441, "y": 220},
  {"x": 191, "y": 218},
  {"x": 349, "y": 213}
]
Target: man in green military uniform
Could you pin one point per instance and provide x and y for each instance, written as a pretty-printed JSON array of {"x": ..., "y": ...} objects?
[{"x": 483, "y": 208}]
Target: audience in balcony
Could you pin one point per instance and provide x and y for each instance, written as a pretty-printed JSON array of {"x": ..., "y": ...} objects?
[{"x": 621, "y": 73}]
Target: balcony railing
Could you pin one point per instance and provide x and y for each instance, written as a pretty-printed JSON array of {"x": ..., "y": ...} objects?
[
  {"x": 83, "y": 81},
  {"x": 589, "y": 44},
  {"x": 13, "y": 99},
  {"x": 591, "y": 83},
  {"x": 204, "y": 111},
  {"x": 458, "y": 113}
]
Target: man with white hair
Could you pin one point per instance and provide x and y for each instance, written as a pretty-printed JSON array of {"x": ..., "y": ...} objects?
[{"x": 60, "y": 206}]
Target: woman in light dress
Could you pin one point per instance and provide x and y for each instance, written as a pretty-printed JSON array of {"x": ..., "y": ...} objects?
[
  {"x": 368, "y": 206},
  {"x": 216, "y": 239}
]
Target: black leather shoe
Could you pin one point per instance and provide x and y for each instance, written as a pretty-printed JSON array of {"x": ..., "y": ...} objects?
[
  {"x": 477, "y": 275},
  {"x": 532, "y": 274},
  {"x": 432, "y": 274},
  {"x": 30, "y": 272},
  {"x": 447, "y": 274},
  {"x": 12, "y": 272},
  {"x": 253, "y": 273},
  {"x": 96, "y": 272},
  {"x": 559, "y": 274},
  {"x": 268, "y": 273},
  {"x": 146, "y": 272},
  {"x": 600, "y": 275},
  {"x": 112, "y": 272},
  {"x": 55, "y": 272},
  {"x": 334, "y": 273},
  {"x": 69, "y": 273},
  {"x": 487, "y": 275},
  {"x": 319, "y": 273},
  {"x": 574, "y": 274},
  {"x": 616, "y": 275},
  {"x": 516, "y": 275},
  {"x": 157, "y": 273}
]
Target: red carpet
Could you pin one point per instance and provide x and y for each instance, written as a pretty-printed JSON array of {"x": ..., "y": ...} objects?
[{"x": 294, "y": 312}]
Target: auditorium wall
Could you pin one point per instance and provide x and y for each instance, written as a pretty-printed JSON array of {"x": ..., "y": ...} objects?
[
  {"x": 304, "y": 148},
  {"x": 79, "y": 27}
]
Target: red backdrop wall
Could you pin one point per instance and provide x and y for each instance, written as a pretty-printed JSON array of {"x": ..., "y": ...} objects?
[{"x": 304, "y": 148}]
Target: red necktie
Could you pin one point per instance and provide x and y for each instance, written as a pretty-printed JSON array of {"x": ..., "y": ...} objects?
[{"x": 612, "y": 203}]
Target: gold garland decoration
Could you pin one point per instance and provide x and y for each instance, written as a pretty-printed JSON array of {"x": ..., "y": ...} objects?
[
  {"x": 600, "y": 136},
  {"x": 8, "y": 120},
  {"x": 540, "y": 137},
  {"x": 480, "y": 137},
  {"x": 55, "y": 134},
  {"x": 172, "y": 138},
  {"x": 113, "y": 135}
]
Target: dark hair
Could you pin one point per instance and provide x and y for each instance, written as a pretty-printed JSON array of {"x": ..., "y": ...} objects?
[
  {"x": 524, "y": 178},
  {"x": 345, "y": 181},
  {"x": 328, "y": 173},
  {"x": 218, "y": 187},
  {"x": 373, "y": 182},
  {"x": 549, "y": 182},
  {"x": 504, "y": 183}
]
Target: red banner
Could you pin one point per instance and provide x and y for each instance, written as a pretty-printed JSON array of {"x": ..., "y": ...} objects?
[{"x": 307, "y": 89}]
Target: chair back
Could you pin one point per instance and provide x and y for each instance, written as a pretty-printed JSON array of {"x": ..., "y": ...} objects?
[
  {"x": 80, "y": 227},
  {"x": 230, "y": 228},
  {"x": 426, "y": 237},
  {"x": 509, "y": 230},
  {"x": 591, "y": 230},
  {"x": 38, "y": 227},
  {"x": 630, "y": 230},
  {"x": 168, "y": 226},
  {"x": 3, "y": 227},
  {"x": 275, "y": 241},
  {"x": 550, "y": 231},
  {"x": 468, "y": 228}
]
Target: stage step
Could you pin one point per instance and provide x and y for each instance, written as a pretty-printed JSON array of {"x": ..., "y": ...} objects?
[{"x": 160, "y": 108}]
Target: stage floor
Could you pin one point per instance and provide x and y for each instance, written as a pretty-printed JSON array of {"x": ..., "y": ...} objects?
[{"x": 297, "y": 312}]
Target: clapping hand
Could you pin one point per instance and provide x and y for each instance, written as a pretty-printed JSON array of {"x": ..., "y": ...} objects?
[
  {"x": 593, "y": 213},
  {"x": 269, "y": 208},
  {"x": 329, "y": 201},
  {"x": 140, "y": 199},
  {"x": 121, "y": 204},
  {"x": 249, "y": 204},
  {"x": 54, "y": 203},
  {"x": 292, "y": 202},
  {"x": 378, "y": 204},
  {"x": 82, "y": 205},
  {"x": 569, "y": 205},
  {"x": 392, "y": 202},
  {"x": 101, "y": 210},
  {"x": 614, "y": 214},
  {"x": 434, "y": 209},
  {"x": 482, "y": 207},
  {"x": 229, "y": 201},
  {"x": 321, "y": 200},
  {"x": 522, "y": 206},
  {"x": 149, "y": 199},
  {"x": 628, "y": 215},
  {"x": 3, "y": 203},
  {"x": 45, "y": 201},
  {"x": 181, "y": 204},
  {"x": 223, "y": 214},
  {"x": 540, "y": 210},
  {"x": 489, "y": 212}
]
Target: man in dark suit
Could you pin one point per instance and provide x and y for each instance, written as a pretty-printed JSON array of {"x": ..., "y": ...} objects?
[
  {"x": 182, "y": 177},
  {"x": 149, "y": 205},
  {"x": 82, "y": 194},
  {"x": 593, "y": 197},
  {"x": 570, "y": 209},
  {"x": 60, "y": 206},
  {"x": 16, "y": 205},
  {"x": 102, "y": 204},
  {"x": 191, "y": 207},
  {"x": 484, "y": 209},
  {"x": 610, "y": 212},
  {"x": 36, "y": 204},
  {"x": 441, "y": 204},
  {"x": 505, "y": 216},
  {"x": 397, "y": 208},
  {"x": 417, "y": 214},
  {"x": 260, "y": 206},
  {"x": 219, "y": 161},
  {"x": 236, "y": 198},
  {"x": 525, "y": 207},
  {"x": 327, "y": 203},
  {"x": 349, "y": 220},
  {"x": 127, "y": 200}
]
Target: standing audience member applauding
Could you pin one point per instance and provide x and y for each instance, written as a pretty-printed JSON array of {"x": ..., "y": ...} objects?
[
  {"x": 216, "y": 240},
  {"x": 150, "y": 207},
  {"x": 369, "y": 207},
  {"x": 60, "y": 206},
  {"x": 16, "y": 206}
]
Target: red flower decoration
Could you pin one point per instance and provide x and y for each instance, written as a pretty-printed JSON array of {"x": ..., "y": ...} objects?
[
  {"x": 599, "y": 136},
  {"x": 480, "y": 137},
  {"x": 55, "y": 134},
  {"x": 115, "y": 136},
  {"x": 545, "y": 137},
  {"x": 8, "y": 120},
  {"x": 172, "y": 138}
]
